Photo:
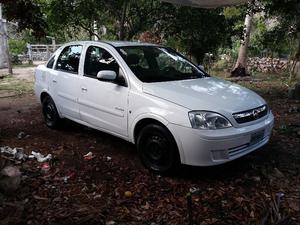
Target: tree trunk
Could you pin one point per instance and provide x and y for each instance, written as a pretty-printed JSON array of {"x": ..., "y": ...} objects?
[
  {"x": 122, "y": 22},
  {"x": 240, "y": 68},
  {"x": 294, "y": 61}
]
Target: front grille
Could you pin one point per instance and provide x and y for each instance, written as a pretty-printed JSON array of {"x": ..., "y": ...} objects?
[
  {"x": 235, "y": 151},
  {"x": 251, "y": 115}
]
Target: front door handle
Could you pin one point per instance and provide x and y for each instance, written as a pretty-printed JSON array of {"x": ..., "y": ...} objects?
[
  {"x": 54, "y": 81},
  {"x": 119, "y": 109},
  {"x": 84, "y": 89}
]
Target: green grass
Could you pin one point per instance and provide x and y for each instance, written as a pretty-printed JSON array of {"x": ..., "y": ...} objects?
[
  {"x": 11, "y": 84},
  {"x": 268, "y": 85}
]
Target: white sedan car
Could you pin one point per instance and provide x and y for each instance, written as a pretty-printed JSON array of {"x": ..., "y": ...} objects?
[{"x": 154, "y": 97}]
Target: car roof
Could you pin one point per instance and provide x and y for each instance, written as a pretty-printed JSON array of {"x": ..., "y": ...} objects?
[
  {"x": 115, "y": 43},
  {"x": 128, "y": 43}
]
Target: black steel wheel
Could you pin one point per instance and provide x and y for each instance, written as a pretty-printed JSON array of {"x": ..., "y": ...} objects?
[
  {"x": 157, "y": 149},
  {"x": 50, "y": 113}
]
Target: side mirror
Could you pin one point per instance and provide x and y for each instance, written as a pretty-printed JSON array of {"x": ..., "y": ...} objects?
[
  {"x": 201, "y": 67},
  {"x": 106, "y": 75}
]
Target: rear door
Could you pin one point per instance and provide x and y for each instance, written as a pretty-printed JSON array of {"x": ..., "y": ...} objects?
[
  {"x": 101, "y": 103},
  {"x": 65, "y": 81}
]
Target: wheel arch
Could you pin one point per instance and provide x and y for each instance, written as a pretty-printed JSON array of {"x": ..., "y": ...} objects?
[
  {"x": 146, "y": 119},
  {"x": 140, "y": 124},
  {"x": 43, "y": 95},
  {"x": 143, "y": 123}
]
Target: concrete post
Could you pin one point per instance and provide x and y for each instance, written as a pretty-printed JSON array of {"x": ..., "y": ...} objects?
[
  {"x": 95, "y": 31},
  {"x": 4, "y": 49},
  {"x": 53, "y": 45},
  {"x": 8, "y": 59},
  {"x": 3, "y": 57},
  {"x": 29, "y": 52},
  {"x": 48, "y": 52}
]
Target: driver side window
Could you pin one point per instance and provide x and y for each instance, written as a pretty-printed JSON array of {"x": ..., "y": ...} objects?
[{"x": 98, "y": 59}]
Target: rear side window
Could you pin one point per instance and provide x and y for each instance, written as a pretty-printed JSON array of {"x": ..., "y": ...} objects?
[
  {"x": 69, "y": 58},
  {"x": 51, "y": 62}
]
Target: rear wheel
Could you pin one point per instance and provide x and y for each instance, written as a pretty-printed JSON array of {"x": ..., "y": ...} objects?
[
  {"x": 157, "y": 149},
  {"x": 50, "y": 113}
]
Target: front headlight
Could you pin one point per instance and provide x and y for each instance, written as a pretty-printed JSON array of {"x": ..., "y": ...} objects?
[{"x": 208, "y": 120}]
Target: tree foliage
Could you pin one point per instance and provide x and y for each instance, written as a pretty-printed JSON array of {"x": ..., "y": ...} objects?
[
  {"x": 193, "y": 31},
  {"x": 17, "y": 46},
  {"x": 266, "y": 39},
  {"x": 288, "y": 29},
  {"x": 198, "y": 31},
  {"x": 28, "y": 14},
  {"x": 65, "y": 15},
  {"x": 122, "y": 23}
]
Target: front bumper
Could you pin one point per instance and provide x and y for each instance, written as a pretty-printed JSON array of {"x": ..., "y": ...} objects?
[{"x": 213, "y": 147}]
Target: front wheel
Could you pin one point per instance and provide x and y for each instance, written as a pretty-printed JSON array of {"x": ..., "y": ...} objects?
[
  {"x": 50, "y": 113},
  {"x": 157, "y": 149}
]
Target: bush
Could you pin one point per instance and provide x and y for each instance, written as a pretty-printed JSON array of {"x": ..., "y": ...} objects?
[
  {"x": 17, "y": 46},
  {"x": 222, "y": 64},
  {"x": 15, "y": 59}
]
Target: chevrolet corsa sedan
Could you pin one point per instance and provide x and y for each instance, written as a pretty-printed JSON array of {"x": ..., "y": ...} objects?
[{"x": 154, "y": 97}]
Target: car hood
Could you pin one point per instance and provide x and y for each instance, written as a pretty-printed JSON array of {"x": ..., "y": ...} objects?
[{"x": 208, "y": 93}]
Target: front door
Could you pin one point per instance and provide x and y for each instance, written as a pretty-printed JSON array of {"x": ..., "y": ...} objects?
[{"x": 101, "y": 103}]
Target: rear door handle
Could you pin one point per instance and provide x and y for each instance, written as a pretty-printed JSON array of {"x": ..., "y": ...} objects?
[
  {"x": 84, "y": 89},
  {"x": 54, "y": 81}
]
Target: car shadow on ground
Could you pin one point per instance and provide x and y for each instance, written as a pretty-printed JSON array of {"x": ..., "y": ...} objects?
[
  {"x": 83, "y": 131},
  {"x": 247, "y": 166},
  {"x": 233, "y": 169}
]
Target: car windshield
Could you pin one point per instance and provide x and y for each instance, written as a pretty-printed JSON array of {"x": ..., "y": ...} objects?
[{"x": 157, "y": 64}]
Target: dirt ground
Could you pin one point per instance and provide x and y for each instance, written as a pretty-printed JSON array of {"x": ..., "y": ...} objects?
[{"x": 114, "y": 188}]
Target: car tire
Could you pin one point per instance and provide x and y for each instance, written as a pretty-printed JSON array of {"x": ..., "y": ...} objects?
[
  {"x": 157, "y": 149},
  {"x": 50, "y": 113}
]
